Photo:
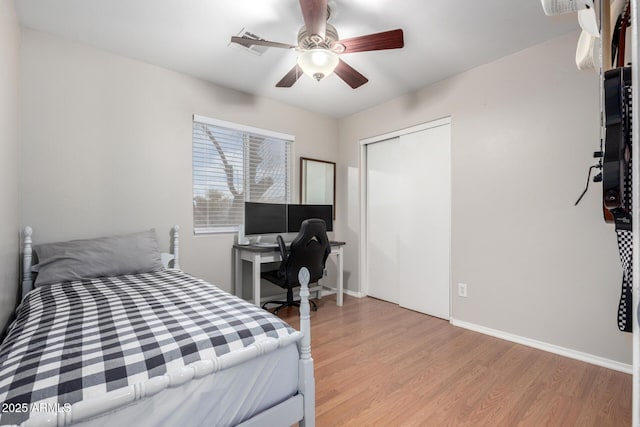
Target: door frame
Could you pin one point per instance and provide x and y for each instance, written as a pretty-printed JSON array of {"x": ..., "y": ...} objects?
[{"x": 362, "y": 160}]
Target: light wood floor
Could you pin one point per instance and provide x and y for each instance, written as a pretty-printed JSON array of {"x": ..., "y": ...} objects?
[{"x": 380, "y": 365}]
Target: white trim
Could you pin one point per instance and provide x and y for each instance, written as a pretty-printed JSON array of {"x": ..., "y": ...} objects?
[
  {"x": 354, "y": 293},
  {"x": 412, "y": 129},
  {"x": 326, "y": 292},
  {"x": 540, "y": 345},
  {"x": 293, "y": 184},
  {"x": 203, "y": 231},
  {"x": 243, "y": 128},
  {"x": 362, "y": 253}
]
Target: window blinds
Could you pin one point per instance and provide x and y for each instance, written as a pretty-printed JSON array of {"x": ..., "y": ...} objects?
[{"x": 233, "y": 164}]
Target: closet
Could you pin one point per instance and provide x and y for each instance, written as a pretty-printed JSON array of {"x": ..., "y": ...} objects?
[{"x": 407, "y": 216}]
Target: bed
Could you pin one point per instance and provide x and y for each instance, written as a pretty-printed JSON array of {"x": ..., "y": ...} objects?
[{"x": 151, "y": 348}]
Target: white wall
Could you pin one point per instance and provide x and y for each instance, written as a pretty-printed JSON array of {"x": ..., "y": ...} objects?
[
  {"x": 107, "y": 146},
  {"x": 523, "y": 131},
  {"x": 9, "y": 200}
]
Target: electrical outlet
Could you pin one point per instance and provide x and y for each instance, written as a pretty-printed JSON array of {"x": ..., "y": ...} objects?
[{"x": 462, "y": 290}]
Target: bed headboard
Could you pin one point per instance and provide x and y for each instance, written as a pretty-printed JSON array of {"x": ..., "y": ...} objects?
[{"x": 27, "y": 256}]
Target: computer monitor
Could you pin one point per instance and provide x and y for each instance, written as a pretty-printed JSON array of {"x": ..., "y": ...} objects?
[
  {"x": 265, "y": 218},
  {"x": 298, "y": 213}
]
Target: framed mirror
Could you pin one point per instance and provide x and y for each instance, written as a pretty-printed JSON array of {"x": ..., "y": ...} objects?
[{"x": 318, "y": 182}]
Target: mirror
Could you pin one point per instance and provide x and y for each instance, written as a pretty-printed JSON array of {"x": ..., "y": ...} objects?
[{"x": 318, "y": 182}]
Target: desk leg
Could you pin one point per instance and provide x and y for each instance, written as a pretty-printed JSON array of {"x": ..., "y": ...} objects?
[
  {"x": 238, "y": 274},
  {"x": 256, "y": 279},
  {"x": 340, "y": 278}
]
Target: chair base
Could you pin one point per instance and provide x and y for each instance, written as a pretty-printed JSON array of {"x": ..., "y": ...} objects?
[{"x": 283, "y": 304}]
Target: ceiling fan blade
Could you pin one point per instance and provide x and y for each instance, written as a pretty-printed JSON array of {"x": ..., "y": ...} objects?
[
  {"x": 247, "y": 42},
  {"x": 393, "y": 39},
  {"x": 350, "y": 75},
  {"x": 291, "y": 77},
  {"x": 315, "y": 16}
]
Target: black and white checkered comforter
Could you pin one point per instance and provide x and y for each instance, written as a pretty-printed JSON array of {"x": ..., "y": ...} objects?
[{"x": 81, "y": 339}]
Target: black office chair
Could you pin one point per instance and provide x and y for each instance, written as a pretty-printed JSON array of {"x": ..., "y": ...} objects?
[{"x": 309, "y": 249}]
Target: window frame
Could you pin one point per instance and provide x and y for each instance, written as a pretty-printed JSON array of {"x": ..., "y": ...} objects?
[{"x": 290, "y": 139}]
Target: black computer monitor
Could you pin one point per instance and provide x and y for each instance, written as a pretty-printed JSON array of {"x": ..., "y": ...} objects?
[
  {"x": 265, "y": 218},
  {"x": 298, "y": 213}
]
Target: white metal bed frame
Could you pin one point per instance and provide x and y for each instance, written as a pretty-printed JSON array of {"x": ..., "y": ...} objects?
[{"x": 299, "y": 408}]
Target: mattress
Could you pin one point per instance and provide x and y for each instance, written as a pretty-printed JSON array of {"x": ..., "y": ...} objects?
[{"x": 82, "y": 348}]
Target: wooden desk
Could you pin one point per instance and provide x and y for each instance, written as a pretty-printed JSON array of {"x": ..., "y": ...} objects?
[{"x": 263, "y": 254}]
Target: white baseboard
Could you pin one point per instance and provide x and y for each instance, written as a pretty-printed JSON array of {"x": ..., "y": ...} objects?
[
  {"x": 551, "y": 348},
  {"x": 354, "y": 293},
  {"x": 349, "y": 292}
]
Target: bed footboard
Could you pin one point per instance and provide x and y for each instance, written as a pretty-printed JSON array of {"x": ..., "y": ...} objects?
[{"x": 302, "y": 405}]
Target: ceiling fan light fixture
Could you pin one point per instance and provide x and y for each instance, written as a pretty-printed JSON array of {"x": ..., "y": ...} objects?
[{"x": 318, "y": 63}]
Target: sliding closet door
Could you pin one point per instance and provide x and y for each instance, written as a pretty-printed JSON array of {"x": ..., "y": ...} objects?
[
  {"x": 383, "y": 180},
  {"x": 425, "y": 221},
  {"x": 408, "y": 218}
]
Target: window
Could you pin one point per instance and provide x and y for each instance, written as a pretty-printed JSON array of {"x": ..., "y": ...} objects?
[{"x": 233, "y": 164}]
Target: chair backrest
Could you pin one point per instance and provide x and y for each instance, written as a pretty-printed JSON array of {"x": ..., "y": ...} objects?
[{"x": 309, "y": 249}]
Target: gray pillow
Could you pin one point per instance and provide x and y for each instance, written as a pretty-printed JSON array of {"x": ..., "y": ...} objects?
[{"x": 101, "y": 257}]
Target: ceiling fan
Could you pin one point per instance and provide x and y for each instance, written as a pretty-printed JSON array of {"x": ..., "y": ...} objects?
[{"x": 319, "y": 47}]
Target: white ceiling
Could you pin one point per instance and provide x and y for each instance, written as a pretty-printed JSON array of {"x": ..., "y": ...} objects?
[{"x": 442, "y": 38}]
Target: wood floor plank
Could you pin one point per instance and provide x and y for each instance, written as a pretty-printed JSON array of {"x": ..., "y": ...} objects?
[{"x": 377, "y": 364}]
